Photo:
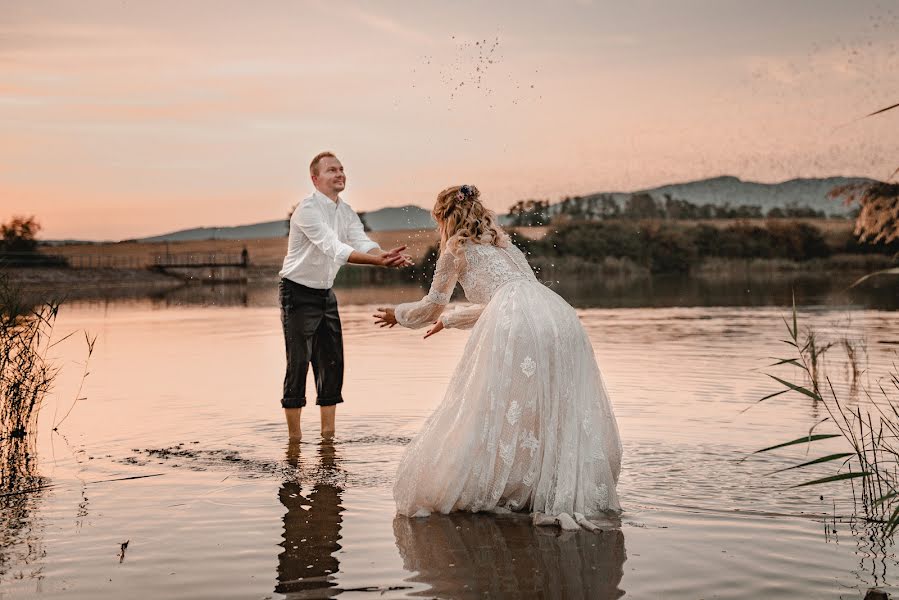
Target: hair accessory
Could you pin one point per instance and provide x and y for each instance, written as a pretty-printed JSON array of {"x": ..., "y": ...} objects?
[{"x": 466, "y": 192}]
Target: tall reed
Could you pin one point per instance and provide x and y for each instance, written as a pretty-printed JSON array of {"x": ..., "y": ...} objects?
[
  {"x": 870, "y": 435},
  {"x": 26, "y": 375}
]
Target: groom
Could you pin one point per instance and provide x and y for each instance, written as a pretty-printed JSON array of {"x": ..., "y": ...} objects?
[{"x": 325, "y": 233}]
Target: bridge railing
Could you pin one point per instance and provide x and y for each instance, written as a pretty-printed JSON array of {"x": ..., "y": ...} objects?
[
  {"x": 120, "y": 261},
  {"x": 106, "y": 261}
]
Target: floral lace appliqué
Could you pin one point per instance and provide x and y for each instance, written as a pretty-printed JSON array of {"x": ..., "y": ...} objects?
[
  {"x": 514, "y": 412},
  {"x": 530, "y": 442},
  {"x": 489, "y": 267},
  {"x": 528, "y": 366},
  {"x": 507, "y": 452},
  {"x": 528, "y": 479}
]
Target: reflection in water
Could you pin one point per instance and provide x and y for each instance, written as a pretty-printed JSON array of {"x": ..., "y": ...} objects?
[
  {"x": 308, "y": 563},
  {"x": 21, "y": 545},
  {"x": 731, "y": 289},
  {"x": 725, "y": 289},
  {"x": 874, "y": 549},
  {"x": 18, "y": 464},
  {"x": 21, "y": 538},
  {"x": 465, "y": 555}
]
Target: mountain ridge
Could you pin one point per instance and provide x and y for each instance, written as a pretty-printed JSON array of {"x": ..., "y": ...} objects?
[{"x": 718, "y": 190}]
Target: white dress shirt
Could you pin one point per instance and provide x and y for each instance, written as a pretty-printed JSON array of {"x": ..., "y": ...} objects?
[{"x": 323, "y": 234}]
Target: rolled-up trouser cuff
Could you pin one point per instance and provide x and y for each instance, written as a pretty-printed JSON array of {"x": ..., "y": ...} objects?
[
  {"x": 329, "y": 401},
  {"x": 293, "y": 402},
  {"x": 312, "y": 336}
]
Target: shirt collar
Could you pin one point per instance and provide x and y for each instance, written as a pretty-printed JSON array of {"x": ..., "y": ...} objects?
[{"x": 322, "y": 198}]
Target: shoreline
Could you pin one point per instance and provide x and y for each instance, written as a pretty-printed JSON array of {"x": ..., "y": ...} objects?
[{"x": 45, "y": 278}]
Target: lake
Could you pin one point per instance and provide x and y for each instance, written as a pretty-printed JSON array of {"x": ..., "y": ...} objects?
[{"x": 179, "y": 448}]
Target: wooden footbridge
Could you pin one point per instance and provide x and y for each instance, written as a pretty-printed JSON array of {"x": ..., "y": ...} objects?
[
  {"x": 209, "y": 267},
  {"x": 206, "y": 267}
]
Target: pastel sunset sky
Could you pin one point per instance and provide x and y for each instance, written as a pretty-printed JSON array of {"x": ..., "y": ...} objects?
[{"x": 127, "y": 118}]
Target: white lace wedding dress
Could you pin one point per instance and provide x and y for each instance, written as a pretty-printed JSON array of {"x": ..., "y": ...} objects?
[{"x": 526, "y": 423}]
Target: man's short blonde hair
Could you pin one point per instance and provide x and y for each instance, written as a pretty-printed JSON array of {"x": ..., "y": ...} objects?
[{"x": 313, "y": 166}]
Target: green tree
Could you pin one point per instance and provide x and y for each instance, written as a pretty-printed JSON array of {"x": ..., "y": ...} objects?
[
  {"x": 641, "y": 206},
  {"x": 528, "y": 213},
  {"x": 675, "y": 208},
  {"x": 607, "y": 207}
]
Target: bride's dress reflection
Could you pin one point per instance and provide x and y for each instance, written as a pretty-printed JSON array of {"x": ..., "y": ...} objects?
[
  {"x": 308, "y": 563},
  {"x": 471, "y": 555}
]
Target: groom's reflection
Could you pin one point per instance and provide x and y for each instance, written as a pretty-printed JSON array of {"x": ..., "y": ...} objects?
[
  {"x": 475, "y": 556},
  {"x": 308, "y": 563}
]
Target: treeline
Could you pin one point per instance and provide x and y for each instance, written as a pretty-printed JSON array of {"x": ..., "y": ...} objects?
[
  {"x": 529, "y": 213},
  {"x": 666, "y": 247},
  {"x": 676, "y": 248},
  {"x": 18, "y": 245}
]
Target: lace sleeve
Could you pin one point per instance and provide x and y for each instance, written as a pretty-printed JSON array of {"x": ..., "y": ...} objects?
[
  {"x": 463, "y": 318},
  {"x": 415, "y": 315}
]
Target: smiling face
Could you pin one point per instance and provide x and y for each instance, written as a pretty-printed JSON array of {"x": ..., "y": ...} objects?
[{"x": 328, "y": 176}]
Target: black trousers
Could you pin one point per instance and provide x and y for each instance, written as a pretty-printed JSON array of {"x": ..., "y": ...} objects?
[{"x": 312, "y": 334}]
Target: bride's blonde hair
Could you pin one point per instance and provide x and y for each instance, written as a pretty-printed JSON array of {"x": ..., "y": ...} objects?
[{"x": 462, "y": 218}]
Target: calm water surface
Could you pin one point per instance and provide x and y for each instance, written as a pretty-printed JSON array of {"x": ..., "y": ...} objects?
[{"x": 185, "y": 389}]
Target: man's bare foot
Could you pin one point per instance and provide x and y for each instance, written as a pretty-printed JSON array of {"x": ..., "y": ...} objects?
[{"x": 327, "y": 434}]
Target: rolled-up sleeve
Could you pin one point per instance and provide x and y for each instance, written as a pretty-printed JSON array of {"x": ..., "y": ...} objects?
[
  {"x": 356, "y": 235},
  {"x": 310, "y": 221}
]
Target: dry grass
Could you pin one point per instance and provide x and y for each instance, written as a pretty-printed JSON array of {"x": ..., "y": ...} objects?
[
  {"x": 263, "y": 252},
  {"x": 270, "y": 251}
]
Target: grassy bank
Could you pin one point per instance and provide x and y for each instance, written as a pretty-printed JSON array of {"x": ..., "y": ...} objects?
[
  {"x": 675, "y": 247},
  {"x": 618, "y": 247}
]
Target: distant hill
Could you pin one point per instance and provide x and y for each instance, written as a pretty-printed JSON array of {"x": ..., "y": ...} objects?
[
  {"x": 257, "y": 231},
  {"x": 717, "y": 190},
  {"x": 384, "y": 219},
  {"x": 736, "y": 192},
  {"x": 402, "y": 217}
]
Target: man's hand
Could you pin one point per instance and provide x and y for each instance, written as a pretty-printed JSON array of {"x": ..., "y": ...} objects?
[
  {"x": 395, "y": 258},
  {"x": 385, "y": 318},
  {"x": 438, "y": 326},
  {"x": 377, "y": 257}
]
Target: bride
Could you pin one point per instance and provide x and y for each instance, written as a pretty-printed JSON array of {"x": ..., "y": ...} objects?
[{"x": 526, "y": 423}]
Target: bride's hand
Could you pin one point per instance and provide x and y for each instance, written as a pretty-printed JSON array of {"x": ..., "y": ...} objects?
[
  {"x": 385, "y": 318},
  {"x": 438, "y": 326}
]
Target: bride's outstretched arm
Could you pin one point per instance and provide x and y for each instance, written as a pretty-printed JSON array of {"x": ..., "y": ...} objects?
[
  {"x": 415, "y": 315},
  {"x": 463, "y": 318}
]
